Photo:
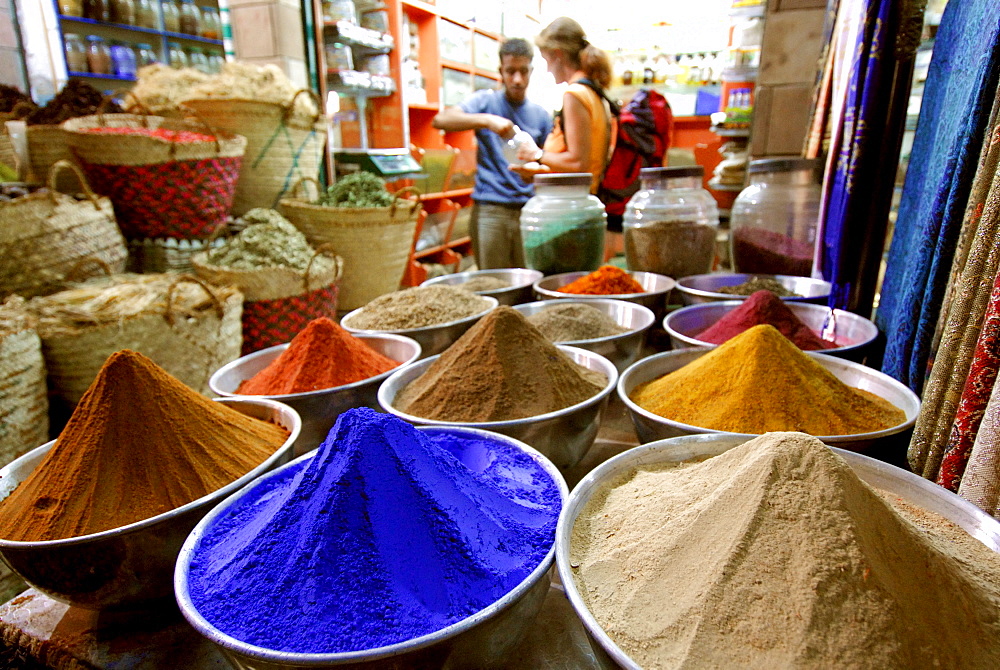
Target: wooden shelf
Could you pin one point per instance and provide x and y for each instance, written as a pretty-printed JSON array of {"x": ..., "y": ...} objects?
[
  {"x": 457, "y": 193},
  {"x": 424, "y": 107},
  {"x": 459, "y": 243}
]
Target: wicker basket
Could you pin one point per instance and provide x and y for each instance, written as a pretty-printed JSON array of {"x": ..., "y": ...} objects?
[
  {"x": 47, "y": 145},
  {"x": 281, "y": 148},
  {"x": 278, "y": 302},
  {"x": 159, "y": 188},
  {"x": 24, "y": 403},
  {"x": 45, "y": 235},
  {"x": 185, "y": 326},
  {"x": 375, "y": 242}
]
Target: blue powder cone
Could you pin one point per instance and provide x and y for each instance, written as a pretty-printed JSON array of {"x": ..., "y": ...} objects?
[{"x": 383, "y": 536}]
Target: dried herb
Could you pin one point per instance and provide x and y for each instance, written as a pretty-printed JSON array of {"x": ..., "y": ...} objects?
[
  {"x": 77, "y": 98},
  {"x": 360, "y": 189},
  {"x": 11, "y": 97}
]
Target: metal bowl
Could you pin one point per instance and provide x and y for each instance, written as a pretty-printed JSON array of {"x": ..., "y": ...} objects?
[
  {"x": 622, "y": 350},
  {"x": 650, "y": 427},
  {"x": 318, "y": 409},
  {"x": 908, "y": 486},
  {"x": 853, "y": 334},
  {"x": 564, "y": 436},
  {"x": 483, "y": 640},
  {"x": 432, "y": 339},
  {"x": 705, "y": 288},
  {"x": 129, "y": 567},
  {"x": 657, "y": 289},
  {"x": 520, "y": 280}
]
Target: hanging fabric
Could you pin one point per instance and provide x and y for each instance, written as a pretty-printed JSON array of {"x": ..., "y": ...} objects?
[{"x": 956, "y": 103}]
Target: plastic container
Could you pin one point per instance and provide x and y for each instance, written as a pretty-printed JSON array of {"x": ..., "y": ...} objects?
[
  {"x": 339, "y": 10},
  {"x": 563, "y": 225},
  {"x": 520, "y": 138},
  {"x": 98, "y": 55},
  {"x": 178, "y": 57},
  {"x": 339, "y": 56},
  {"x": 123, "y": 61},
  {"x": 774, "y": 219},
  {"x": 71, "y": 7},
  {"x": 198, "y": 60},
  {"x": 98, "y": 10},
  {"x": 123, "y": 12},
  {"x": 145, "y": 55},
  {"x": 76, "y": 53},
  {"x": 190, "y": 18},
  {"x": 211, "y": 24},
  {"x": 670, "y": 225},
  {"x": 215, "y": 62},
  {"x": 171, "y": 16}
]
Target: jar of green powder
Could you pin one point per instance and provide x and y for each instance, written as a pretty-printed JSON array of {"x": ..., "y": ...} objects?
[{"x": 563, "y": 225}]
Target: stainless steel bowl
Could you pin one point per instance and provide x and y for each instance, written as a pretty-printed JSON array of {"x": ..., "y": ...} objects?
[
  {"x": 705, "y": 288},
  {"x": 564, "y": 436},
  {"x": 432, "y": 339},
  {"x": 650, "y": 427},
  {"x": 520, "y": 280},
  {"x": 657, "y": 289},
  {"x": 853, "y": 334},
  {"x": 911, "y": 488},
  {"x": 483, "y": 640},
  {"x": 622, "y": 350},
  {"x": 317, "y": 409},
  {"x": 130, "y": 567}
]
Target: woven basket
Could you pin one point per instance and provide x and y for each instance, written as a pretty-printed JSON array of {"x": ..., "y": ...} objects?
[
  {"x": 45, "y": 235},
  {"x": 281, "y": 148},
  {"x": 374, "y": 242},
  {"x": 24, "y": 403},
  {"x": 159, "y": 188},
  {"x": 149, "y": 256},
  {"x": 278, "y": 302},
  {"x": 47, "y": 145},
  {"x": 185, "y": 326}
]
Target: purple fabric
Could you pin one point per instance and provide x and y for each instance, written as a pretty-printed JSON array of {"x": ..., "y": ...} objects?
[{"x": 384, "y": 535}]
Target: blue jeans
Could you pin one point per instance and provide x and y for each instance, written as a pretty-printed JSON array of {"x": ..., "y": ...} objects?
[{"x": 496, "y": 235}]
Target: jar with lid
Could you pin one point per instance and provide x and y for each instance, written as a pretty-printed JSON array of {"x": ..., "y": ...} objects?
[
  {"x": 563, "y": 225},
  {"x": 190, "y": 18},
  {"x": 76, "y": 53},
  {"x": 177, "y": 56},
  {"x": 339, "y": 10},
  {"x": 98, "y": 55},
  {"x": 670, "y": 225},
  {"x": 97, "y": 10},
  {"x": 774, "y": 219},
  {"x": 71, "y": 7},
  {"x": 145, "y": 14},
  {"x": 145, "y": 55},
  {"x": 338, "y": 56},
  {"x": 171, "y": 16},
  {"x": 198, "y": 60},
  {"x": 215, "y": 62},
  {"x": 211, "y": 24},
  {"x": 123, "y": 11},
  {"x": 123, "y": 61}
]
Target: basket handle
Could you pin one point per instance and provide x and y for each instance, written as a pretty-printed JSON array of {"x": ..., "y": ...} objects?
[
  {"x": 61, "y": 165},
  {"x": 325, "y": 249},
  {"x": 315, "y": 182},
  {"x": 398, "y": 195},
  {"x": 108, "y": 98},
  {"x": 70, "y": 276},
  {"x": 204, "y": 124},
  {"x": 290, "y": 107},
  {"x": 168, "y": 313}
]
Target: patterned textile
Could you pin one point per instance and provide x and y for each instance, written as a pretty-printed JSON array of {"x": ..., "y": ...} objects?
[
  {"x": 183, "y": 199},
  {"x": 957, "y": 97},
  {"x": 969, "y": 301},
  {"x": 981, "y": 482},
  {"x": 270, "y": 322}
]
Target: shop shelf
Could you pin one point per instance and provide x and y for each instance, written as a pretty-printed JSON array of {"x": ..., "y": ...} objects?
[{"x": 91, "y": 75}]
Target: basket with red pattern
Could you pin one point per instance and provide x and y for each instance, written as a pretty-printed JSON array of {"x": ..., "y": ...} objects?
[{"x": 166, "y": 177}]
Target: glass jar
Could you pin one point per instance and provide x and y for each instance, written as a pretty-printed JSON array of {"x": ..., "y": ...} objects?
[
  {"x": 339, "y": 10},
  {"x": 339, "y": 56},
  {"x": 215, "y": 62},
  {"x": 145, "y": 55},
  {"x": 211, "y": 24},
  {"x": 76, "y": 53},
  {"x": 145, "y": 14},
  {"x": 98, "y": 10},
  {"x": 123, "y": 61},
  {"x": 123, "y": 11},
  {"x": 190, "y": 18},
  {"x": 98, "y": 55},
  {"x": 670, "y": 225},
  {"x": 171, "y": 16},
  {"x": 774, "y": 219},
  {"x": 177, "y": 56},
  {"x": 198, "y": 60},
  {"x": 71, "y": 7},
  {"x": 563, "y": 225}
]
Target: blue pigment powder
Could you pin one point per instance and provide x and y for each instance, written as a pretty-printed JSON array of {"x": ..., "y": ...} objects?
[{"x": 386, "y": 534}]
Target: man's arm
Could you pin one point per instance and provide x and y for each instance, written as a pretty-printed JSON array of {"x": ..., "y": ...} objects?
[{"x": 454, "y": 118}]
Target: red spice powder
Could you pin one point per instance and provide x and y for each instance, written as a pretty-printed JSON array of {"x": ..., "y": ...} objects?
[
  {"x": 764, "y": 307},
  {"x": 322, "y": 356},
  {"x": 180, "y": 136},
  {"x": 605, "y": 280}
]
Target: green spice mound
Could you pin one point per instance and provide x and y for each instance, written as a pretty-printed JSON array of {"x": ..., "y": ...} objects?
[
  {"x": 754, "y": 284},
  {"x": 268, "y": 241},
  {"x": 484, "y": 284},
  {"x": 360, "y": 189},
  {"x": 575, "y": 321}
]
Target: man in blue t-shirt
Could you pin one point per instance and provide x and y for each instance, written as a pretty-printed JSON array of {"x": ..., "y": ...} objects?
[{"x": 499, "y": 193}]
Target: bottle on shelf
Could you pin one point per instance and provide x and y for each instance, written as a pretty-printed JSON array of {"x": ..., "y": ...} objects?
[
  {"x": 97, "y": 10},
  {"x": 177, "y": 56},
  {"x": 145, "y": 14},
  {"x": 123, "y": 12},
  {"x": 215, "y": 62},
  {"x": 145, "y": 55},
  {"x": 190, "y": 18},
  {"x": 76, "y": 53},
  {"x": 171, "y": 16},
  {"x": 123, "y": 60},
  {"x": 71, "y": 7},
  {"x": 98, "y": 55},
  {"x": 339, "y": 10},
  {"x": 198, "y": 60},
  {"x": 211, "y": 24}
]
